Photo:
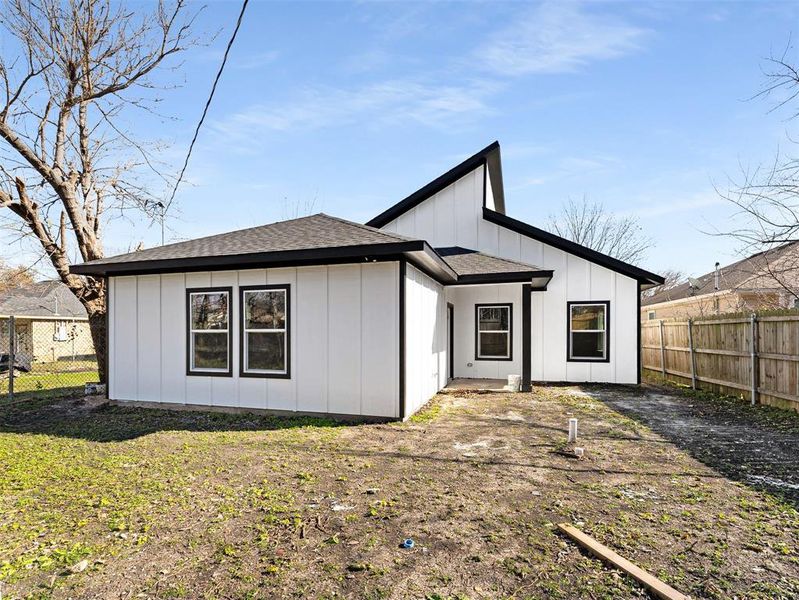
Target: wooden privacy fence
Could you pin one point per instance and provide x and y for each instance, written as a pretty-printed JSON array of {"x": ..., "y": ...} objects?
[{"x": 754, "y": 357}]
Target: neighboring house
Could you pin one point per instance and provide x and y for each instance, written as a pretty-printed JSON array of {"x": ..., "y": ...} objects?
[
  {"x": 322, "y": 315},
  {"x": 764, "y": 281},
  {"x": 50, "y": 323}
]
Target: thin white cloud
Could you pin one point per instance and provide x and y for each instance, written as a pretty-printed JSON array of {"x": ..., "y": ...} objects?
[
  {"x": 658, "y": 207},
  {"x": 387, "y": 102},
  {"x": 255, "y": 61},
  {"x": 558, "y": 37}
]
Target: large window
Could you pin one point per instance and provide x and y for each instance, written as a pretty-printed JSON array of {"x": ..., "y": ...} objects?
[
  {"x": 588, "y": 331},
  {"x": 265, "y": 331},
  {"x": 209, "y": 340},
  {"x": 493, "y": 332}
]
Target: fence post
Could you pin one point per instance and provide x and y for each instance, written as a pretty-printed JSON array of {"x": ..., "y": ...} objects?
[
  {"x": 662, "y": 351},
  {"x": 691, "y": 352},
  {"x": 12, "y": 355},
  {"x": 753, "y": 345}
]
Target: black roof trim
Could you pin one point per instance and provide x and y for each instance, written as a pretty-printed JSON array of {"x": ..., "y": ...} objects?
[
  {"x": 253, "y": 260},
  {"x": 614, "y": 264},
  {"x": 439, "y": 183},
  {"x": 512, "y": 277}
]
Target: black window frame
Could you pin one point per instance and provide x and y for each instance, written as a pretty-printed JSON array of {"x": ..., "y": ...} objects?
[
  {"x": 477, "y": 307},
  {"x": 569, "y": 305},
  {"x": 208, "y": 373},
  {"x": 285, "y": 287}
]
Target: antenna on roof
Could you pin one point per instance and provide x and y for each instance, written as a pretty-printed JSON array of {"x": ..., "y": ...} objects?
[{"x": 694, "y": 284}]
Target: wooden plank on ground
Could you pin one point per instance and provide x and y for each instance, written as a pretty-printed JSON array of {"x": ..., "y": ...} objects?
[{"x": 649, "y": 581}]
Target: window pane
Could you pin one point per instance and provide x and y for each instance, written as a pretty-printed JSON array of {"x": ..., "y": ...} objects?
[
  {"x": 210, "y": 350},
  {"x": 265, "y": 310},
  {"x": 493, "y": 318},
  {"x": 209, "y": 310},
  {"x": 266, "y": 351},
  {"x": 494, "y": 344},
  {"x": 588, "y": 344},
  {"x": 588, "y": 317}
]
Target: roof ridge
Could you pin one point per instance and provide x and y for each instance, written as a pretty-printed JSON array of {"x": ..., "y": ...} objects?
[{"x": 390, "y": 234}]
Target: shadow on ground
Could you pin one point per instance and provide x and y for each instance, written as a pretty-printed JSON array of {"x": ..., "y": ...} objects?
[
  {"x": 79, "y": 419},
  {"x": 754, "y": 445}
]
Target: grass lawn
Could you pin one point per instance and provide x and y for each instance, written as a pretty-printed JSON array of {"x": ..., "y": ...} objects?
[
  {"x": 50, "y": 380},
  {"x": 109, "y": 502}
]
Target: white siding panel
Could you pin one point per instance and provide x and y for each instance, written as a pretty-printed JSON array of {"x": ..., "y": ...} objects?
[
  {"x": 111, "y": 307},
  {"x": 380, "y": 372},
  {"x": 344, "y": 339},
  {"x": 148, "y": 321},
  {"x": 425, "y": 339},
  {"x": 173, "y": 338},
  {"x": 125, "y": 354},
  {"x": 310, "y": 333}
]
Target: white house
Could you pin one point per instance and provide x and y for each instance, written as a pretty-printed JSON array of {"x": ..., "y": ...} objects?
[{"x": 322, "y": 315}]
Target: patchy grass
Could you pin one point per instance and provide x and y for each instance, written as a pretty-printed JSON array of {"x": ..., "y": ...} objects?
[
  {"x": 202, "y": 505},
  {"x": 43, "y": 384}
]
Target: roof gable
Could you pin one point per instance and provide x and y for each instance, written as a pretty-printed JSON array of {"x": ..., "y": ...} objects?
[{"x": 488, "y": 157}]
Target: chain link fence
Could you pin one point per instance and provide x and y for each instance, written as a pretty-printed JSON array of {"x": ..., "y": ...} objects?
[{"x": 42, "y": 358}]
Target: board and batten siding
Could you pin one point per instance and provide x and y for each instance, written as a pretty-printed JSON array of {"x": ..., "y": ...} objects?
[
  {"x": 425, "y": 339},
  {"x": 454, "y": 217},
  {"x": 344, "y": 341},
  {"x": 463, "y": 300}
]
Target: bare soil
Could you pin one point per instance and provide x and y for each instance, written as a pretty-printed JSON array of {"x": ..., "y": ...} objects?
[{"x": 109, "y": 502}]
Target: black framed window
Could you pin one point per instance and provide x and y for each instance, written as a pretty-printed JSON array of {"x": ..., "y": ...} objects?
[
  {"x": 265, "y": 331},
  {"x": 589, "y": 331},
  {"x": 493, "y": 332},
  {"x": 209, "y": 342}
]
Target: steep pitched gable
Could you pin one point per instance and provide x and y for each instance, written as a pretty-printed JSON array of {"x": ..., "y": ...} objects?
[{"x": 488, "y": 159}]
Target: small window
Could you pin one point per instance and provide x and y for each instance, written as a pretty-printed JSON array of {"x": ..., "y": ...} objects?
[
  {"x": 651, "y": 315},
  {"x": 265, "y": 331},
  {"x": 588, "y": 331},
  {"x": 493, "y": 332},
  {"x": 209, "y": 331}
]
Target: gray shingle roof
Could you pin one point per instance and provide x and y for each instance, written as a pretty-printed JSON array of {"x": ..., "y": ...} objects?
[
  {"x": 41, "y": 299},
  {"x": 305, "y": 233},
  {"x": 471, "y": 262},
  {"x": 750, "y": 273}
]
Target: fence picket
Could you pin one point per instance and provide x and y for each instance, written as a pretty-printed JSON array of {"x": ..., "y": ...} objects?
[{"x": 757, "y": 358}]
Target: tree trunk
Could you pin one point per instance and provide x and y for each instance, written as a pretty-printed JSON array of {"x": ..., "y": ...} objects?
[{"x": 98, "y": 328}]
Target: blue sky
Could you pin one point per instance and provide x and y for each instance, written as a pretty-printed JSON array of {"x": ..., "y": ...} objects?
[{"x": 352, "y": 106}]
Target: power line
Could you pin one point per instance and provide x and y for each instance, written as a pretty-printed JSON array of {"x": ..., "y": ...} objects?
[{"x": 205, "y": 110}]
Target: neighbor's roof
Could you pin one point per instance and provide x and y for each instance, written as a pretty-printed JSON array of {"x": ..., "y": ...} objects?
[
  {"x": 750, "y": 273},
  {"x": 471, "y": 264},
  {"x": 41, "y": 299}
]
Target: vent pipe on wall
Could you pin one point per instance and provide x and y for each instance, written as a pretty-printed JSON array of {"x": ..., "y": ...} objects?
[{"x": 717, "y": 277}]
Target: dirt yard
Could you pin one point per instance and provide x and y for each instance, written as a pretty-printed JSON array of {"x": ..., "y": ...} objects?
[{"x": 103, "y": 502}]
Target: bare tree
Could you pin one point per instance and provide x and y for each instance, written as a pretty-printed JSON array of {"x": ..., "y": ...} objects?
[
  {"x": 766, "y": 197},
  {"x": 589, "y": 224},
  {"x": 68, "y": 163},
  {"x": 12, "y": 277}
]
